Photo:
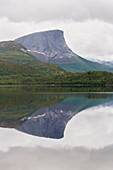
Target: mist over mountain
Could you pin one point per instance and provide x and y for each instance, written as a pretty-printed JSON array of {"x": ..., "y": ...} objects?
[
  {"x": 51, "y": 47},
  {"x": 107, "y": 63}
]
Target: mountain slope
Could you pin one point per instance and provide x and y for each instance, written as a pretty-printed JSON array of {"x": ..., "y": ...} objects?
[
  {"x": 51, "y": 47},
  {"x": 18, "y": 66},
  {"x": 14, "y": 58},
  {"x": 86, "y": 66}
]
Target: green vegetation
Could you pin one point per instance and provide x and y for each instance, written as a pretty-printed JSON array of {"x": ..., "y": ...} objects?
[
  {"x": 15, "y": 59},
  {"x": 90, "y": 79},
  {"x": 19, "y": 67}
]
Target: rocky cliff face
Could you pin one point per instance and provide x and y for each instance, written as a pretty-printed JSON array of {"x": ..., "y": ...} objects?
[{"x": 49, "y": 46}]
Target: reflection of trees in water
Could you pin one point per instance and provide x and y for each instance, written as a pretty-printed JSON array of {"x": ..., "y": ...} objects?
[{"x": 17, "y": 104}]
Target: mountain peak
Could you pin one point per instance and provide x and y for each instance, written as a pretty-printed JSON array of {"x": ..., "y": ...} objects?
[
  {"x": 52, "y": 31},
  {"x": 51, "y": 45}
]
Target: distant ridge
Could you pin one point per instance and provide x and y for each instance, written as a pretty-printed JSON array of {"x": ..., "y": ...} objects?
[{"x": 50, "y": 46}]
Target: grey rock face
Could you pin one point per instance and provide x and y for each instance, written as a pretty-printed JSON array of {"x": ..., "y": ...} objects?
[{"x": 49, "y": 46}]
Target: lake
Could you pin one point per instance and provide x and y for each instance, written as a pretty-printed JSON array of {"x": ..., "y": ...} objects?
[{"x": 55, "y": 129}]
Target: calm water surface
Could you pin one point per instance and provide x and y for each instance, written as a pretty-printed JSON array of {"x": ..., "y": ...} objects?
[{"x": 41, "y": 130}]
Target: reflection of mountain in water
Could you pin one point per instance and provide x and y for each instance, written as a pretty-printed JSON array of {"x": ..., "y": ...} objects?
[
  {"x": 51, "y": 121},
  {"x": 16, "y": 104},
  {"x": 44, "y": 114}
]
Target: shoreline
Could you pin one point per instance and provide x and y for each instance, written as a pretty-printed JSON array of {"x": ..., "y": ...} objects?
[{"x": 58, "y": 85}]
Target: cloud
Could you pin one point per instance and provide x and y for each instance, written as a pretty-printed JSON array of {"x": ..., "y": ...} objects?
[
  {"x": 41, "y": 10},
  {"x": 91, "y": 39},
  {"x": 88, "y": 25},
  {"x": 57, "y": 159}
]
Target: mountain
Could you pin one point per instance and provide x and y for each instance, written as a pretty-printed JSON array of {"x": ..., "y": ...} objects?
[
  {"x": 107, "y": 63},
  {"x": 20, "y": 67},
  {"x": 16, "y": 60},
  {"x": 51, "y": 47}
]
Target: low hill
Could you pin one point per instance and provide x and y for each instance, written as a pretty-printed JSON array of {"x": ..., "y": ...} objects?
[
  {"x": 17, "y": 64},
  {"x": 51, "y": 47},
  {"x": 15, "y": 59}
]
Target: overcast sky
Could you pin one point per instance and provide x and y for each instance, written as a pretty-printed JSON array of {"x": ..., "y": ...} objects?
[{"x": 87, "y": 24}]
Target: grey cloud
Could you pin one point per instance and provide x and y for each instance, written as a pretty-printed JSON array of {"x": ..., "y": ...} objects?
[
  {"x": 41, "y": 10},
  {"x": 48, "y": 159},
  {"x": 90, "y": 39}
]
